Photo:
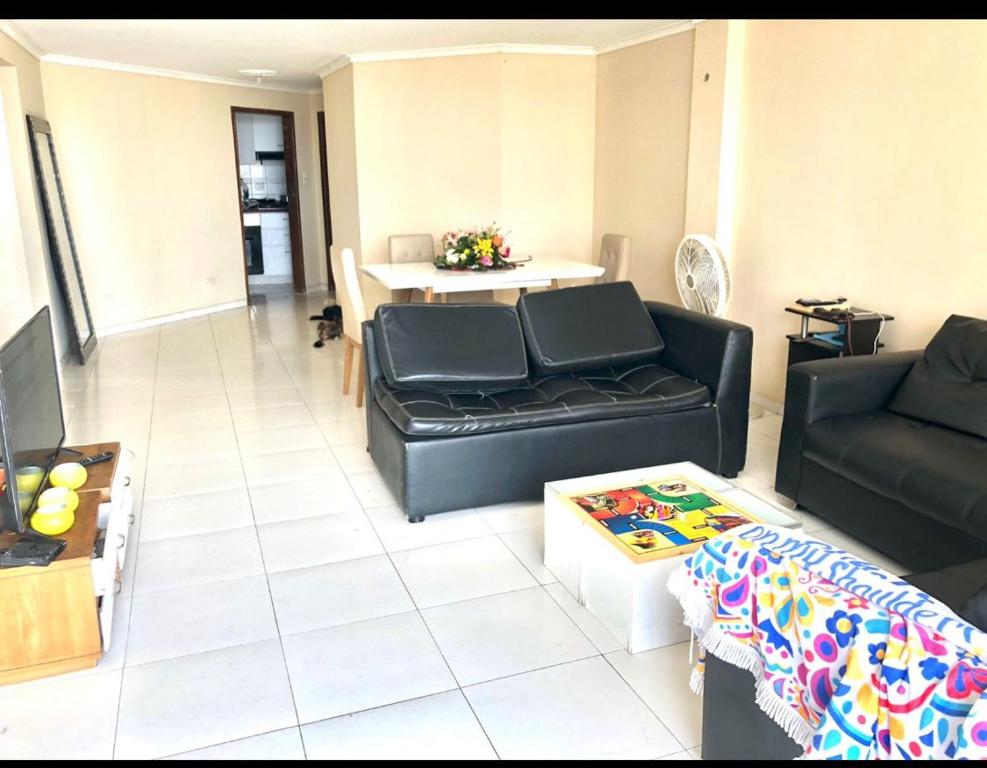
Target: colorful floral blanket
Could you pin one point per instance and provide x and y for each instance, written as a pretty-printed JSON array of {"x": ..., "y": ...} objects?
[{"x": 852, "y": 661}]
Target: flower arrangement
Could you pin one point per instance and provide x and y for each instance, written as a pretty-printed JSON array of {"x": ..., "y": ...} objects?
[{"x": 474, "y": 249}]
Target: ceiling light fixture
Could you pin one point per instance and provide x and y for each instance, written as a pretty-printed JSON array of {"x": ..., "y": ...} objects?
[{"x": 260, "y": 74}]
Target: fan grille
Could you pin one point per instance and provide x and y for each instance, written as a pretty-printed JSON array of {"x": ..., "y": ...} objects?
[{"x": 701, "y": 275}]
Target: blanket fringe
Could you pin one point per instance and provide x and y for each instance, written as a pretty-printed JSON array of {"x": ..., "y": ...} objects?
[{"x": 699, "y": 618}]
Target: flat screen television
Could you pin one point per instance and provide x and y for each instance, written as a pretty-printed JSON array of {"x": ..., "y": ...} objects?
[{"x": 32, "y": 427}]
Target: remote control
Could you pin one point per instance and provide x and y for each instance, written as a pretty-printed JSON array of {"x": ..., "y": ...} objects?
[
  {"x": 97, "y": 459},
  {"x": 819, "y": 302}
]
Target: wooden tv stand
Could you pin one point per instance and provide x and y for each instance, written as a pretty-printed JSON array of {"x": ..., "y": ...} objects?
[{"x": 59, "y": 618}]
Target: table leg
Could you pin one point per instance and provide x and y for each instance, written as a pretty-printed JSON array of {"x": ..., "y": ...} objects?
[
  {"x": 805, "y": 327},
  {"x": 429, "y": 295}
]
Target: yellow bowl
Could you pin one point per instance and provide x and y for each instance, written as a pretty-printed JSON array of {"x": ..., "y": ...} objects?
[
  {"x": 65, "y": 496},
  {"x": 29, "y": 479},
  {"x": 52, "y": 519},
  {"x": 69, "y": 475}
]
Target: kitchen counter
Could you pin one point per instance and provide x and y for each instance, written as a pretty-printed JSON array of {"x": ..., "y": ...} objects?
[{"x": 264, "y": 210}]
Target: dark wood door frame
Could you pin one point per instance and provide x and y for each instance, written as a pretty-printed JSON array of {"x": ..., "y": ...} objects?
[
  {"x": 326, "y": 214},
  {"x": 291, "y": 180}
]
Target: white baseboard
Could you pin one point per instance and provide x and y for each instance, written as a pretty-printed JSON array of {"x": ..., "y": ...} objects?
[
  {"x": 768, "y": 404},
  {"x": 317, "y": 287},
  {"x": 269, "y": 280},
  {"x": 112, "y": 330}
]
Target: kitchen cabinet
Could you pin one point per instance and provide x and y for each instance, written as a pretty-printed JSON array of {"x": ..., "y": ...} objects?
[
  {"x": 275, "y": 233},
  {"x": 268, "y": 134},
  {"x": 245, "y": 138}
]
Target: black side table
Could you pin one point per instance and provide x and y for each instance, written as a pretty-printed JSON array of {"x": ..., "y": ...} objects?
[{"x": 855, "y": 335}]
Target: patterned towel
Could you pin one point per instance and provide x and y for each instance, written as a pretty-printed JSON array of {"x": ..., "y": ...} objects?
[{"x": 851, "y": 661}]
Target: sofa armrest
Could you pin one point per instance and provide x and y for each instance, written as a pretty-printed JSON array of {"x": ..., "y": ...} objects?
[
  {"x": 372, "y": 368},
  {"x": 717, "y": 353},
  {"x": 371, "y": 361},
  {"x": 839, "y": 386}
]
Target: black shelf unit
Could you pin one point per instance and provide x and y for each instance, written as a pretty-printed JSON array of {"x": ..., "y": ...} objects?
[{"x": 861, "y": 334}]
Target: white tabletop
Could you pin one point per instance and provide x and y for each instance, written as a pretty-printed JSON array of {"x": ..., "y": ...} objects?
[{"x": 540, "y": 271}]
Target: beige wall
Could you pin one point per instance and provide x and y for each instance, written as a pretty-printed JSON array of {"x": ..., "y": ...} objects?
[
  {"x": 862, "y": 171},
  {"x": 316, "y": 258},
  {"x": 428, "y": 150},
  {"x": 460, "y": 141},
  {"x": 705, "y": 126},
  {"x": 547, "y": 149},
  {"x": 151, "y": 182},
  {"x": 23, "y": 258},
  {"x": 643, "y": 96},
  {"x": 337, "y": 92}
]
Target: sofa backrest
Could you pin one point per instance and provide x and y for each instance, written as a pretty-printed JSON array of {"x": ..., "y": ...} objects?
[
  {"x": 450, "y": 347},
  {"x": 948, "y": 385},
  {"x": 591, "y": 326}
]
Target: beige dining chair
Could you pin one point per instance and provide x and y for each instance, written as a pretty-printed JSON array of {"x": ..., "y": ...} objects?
[
  {"x": 404, "y": 249},
  {"x": 354, "y": 314},
  {"x": 615, "y": 258}
]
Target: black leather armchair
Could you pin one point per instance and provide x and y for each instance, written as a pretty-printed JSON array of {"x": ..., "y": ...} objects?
[
  {"x": 875, "y": 445},
  {"x": 471, "y": 405}
]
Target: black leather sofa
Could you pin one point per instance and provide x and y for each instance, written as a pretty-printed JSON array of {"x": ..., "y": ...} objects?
[
  {"x": 892, "y": 448},
  {"x": 471, "y": 405}
]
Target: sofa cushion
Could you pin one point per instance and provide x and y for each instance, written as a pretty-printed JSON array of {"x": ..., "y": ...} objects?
[
  {"x": 592, "y": 326},
  {"x": 564, "y": 398},
  {"x": 933, "y": 470},
  {"x": 948, "y": 386},
  {"x": 451, "y": 347}
]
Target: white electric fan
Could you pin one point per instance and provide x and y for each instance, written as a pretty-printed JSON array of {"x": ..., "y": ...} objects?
[
  {"x": 701, "y": 275},
  {"x": 704, "y": 281}
]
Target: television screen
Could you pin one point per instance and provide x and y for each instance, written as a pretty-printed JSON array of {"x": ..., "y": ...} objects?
[{"x": 31, "y": 424}]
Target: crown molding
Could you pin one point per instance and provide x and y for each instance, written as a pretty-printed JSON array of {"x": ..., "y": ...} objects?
[
  {"x": 334, "y": 66},
  {"x": 21, "y": 38},
  {"x": 135, "y": 69},
  {"x": 669, "y": 29},
  {"x": 473, "y": 50},
  {"x": 457, "y": 50}
]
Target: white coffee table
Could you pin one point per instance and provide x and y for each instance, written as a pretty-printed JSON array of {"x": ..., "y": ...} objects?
[{"x": 622, "y": 580}]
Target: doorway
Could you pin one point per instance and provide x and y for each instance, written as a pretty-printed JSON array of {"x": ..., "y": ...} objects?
[
  {"x": 326, "y": 215},
  {"x": 267, "y": 195}
]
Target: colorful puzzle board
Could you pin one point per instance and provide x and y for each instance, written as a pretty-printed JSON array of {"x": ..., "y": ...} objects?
[{"x": 662, "y": 515}]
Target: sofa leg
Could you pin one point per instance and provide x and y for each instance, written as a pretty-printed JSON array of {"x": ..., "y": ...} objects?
[
  {"x": 419, "y": 519},
  {"x": 730, "y": 476}
]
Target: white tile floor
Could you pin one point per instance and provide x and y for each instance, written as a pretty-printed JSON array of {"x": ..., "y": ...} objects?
[{"x": 277, "y": 604}]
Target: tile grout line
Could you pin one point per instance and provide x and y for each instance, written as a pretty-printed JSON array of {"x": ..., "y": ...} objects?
[
  {"x": 682, "y": 747},
  {"x": 136, "y": 556},
  {"x": 267, "y": 578},
  {"x": 435, "y": 642}
]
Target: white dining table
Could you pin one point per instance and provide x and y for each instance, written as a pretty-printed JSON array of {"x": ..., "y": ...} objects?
[{"x": 541, "y": 271}]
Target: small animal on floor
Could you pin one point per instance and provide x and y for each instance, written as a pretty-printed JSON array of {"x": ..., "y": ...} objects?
[{"x": 330, "y": 324}]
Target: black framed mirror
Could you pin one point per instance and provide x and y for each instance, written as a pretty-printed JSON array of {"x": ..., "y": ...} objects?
[{"x": 61, "y": 244}]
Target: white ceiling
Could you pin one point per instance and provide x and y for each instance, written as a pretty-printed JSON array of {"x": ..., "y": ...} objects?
[{"x": 299, "y": 48}]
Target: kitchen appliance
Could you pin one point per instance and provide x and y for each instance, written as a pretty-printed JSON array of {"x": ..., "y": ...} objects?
[
  {"x": 254, "y": 250},
  {"x": 32, "y": 428},
  {"x": 263, "y": 203}
]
